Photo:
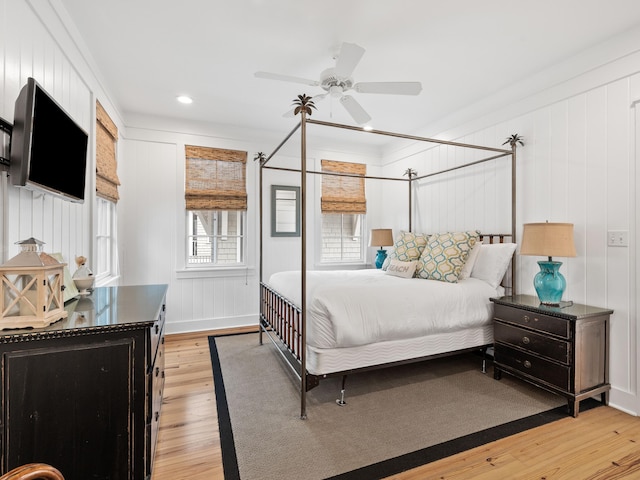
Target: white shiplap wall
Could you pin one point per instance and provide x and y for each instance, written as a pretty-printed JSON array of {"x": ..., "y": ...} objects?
[
  {"x": 152, "y": 235},
  {"x": 29, "y": 50},
  {"x": 578, "y": 166}
]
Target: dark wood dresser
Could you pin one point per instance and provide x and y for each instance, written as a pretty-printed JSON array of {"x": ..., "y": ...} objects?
[
  {"x": 562, "y": 349},
  {"x": 84, "y": 394}
]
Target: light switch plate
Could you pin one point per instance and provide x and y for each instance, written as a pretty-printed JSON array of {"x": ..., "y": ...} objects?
[{"x": 618, "y": 238}]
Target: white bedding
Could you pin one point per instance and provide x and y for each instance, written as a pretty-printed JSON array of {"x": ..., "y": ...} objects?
[{"x": 361, "y": 307}]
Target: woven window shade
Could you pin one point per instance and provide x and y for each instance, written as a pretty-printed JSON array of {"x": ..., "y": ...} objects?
[
  {"x": 107, "y": 180},
  {"x": 215, "y": 179},
  {"x": 342, "y": 194}
]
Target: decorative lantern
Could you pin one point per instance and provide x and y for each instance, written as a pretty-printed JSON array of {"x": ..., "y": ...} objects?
[{"x": 31, "y": 288}]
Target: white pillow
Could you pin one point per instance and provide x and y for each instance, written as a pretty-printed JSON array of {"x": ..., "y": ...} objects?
[
  {"x": 401, "y": 269},
  {"x": 492, "y": 262},
  {"x": 470, "y": 262}
]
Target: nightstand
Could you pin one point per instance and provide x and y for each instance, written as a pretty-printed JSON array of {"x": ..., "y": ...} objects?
[{"x": 562, "y": 349}]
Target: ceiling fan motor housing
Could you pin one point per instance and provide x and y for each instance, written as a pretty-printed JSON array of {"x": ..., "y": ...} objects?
[{"x": 333, "y": 83}]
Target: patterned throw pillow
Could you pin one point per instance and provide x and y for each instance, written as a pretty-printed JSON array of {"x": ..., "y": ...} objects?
[
  {"x": 445, "y": 254},
  {"x": 407, "y": 247}
]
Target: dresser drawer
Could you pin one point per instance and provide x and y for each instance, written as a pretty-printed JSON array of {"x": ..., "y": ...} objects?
[
  {"x": 536, "y": 321},
  {"x": 156, "y": 400},
  {"x": 533, "y": 366},
  {"x": 540, "y": 344},
  {"x": 157, "y": 332}
]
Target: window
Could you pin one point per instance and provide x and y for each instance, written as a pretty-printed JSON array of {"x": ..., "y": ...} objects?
[
  {"x": 106, "y": 245},
  {"x": 106, "y": 262},
  {"x": 216, "y": 203},
  {"x": 215, "y": 237},
  {"x": 343, "y": 206},
  {"x": 342, "y": 237}
]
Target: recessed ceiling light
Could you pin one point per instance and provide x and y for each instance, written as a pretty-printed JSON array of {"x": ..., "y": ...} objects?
[
  {"x": 184, "y": 99},
  {"x": 367, "y": 128}
]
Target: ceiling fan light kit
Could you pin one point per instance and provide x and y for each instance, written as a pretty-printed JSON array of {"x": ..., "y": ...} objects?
[{"x": 336, "y": 81}]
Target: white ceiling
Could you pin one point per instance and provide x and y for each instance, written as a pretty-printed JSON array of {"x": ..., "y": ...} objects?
[{"x": 150, "y": 51}]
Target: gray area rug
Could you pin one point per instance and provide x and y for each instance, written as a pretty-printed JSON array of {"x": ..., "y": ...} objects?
[{"x": 395, "y": 418}]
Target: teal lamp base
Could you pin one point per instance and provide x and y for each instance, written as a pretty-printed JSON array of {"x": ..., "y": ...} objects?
[
  {"x": 380, "y": 258},
  {"x": 549, "y": 283}
]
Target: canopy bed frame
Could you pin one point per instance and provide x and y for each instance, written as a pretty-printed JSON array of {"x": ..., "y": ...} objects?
[{"x": 285, "y": 322}]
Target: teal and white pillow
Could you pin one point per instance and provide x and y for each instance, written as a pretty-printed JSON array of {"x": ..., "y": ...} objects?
[
  {"x": 408, "y": 246},
  {"x": 445, "y": 254}
]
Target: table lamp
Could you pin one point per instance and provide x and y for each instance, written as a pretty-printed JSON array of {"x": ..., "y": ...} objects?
[
  {"x": 381, "y": 237},
  {"x": 548, "y": 240}
]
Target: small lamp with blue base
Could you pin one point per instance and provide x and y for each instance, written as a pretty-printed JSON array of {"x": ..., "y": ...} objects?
[
  {"x": 548, "y": 240},
  {"x": 381, "y": 237}
]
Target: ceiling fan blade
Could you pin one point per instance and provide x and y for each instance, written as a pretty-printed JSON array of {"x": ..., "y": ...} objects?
[
  {"x": 393, "y": 88},
  {"x": 287, "y": 78},
  {"x": 348, "y": 58},
  {"x": 315, "y": 99},
  {"x": 355, "y": 110}
]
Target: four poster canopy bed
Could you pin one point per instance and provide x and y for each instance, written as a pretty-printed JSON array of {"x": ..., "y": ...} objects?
[{"x": 431, "y": 298}]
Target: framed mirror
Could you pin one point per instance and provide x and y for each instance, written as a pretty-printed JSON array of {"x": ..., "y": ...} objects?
[{"x": 285, "y": 211}]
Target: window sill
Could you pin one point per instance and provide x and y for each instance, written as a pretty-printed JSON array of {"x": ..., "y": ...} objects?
[{"x": 215, "y": 272}]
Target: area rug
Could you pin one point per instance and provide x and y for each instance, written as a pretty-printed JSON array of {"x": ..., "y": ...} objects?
[{"x": 395, "y": 419}]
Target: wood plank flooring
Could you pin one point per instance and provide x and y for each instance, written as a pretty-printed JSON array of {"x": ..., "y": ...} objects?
[{"x": 601, "y": 444}]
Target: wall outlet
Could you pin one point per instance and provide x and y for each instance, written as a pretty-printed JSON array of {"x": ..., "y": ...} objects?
[{"x": 618, "y": 238}]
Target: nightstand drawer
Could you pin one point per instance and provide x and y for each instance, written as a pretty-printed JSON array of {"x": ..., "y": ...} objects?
[
  {"x": 536, "y": 321},
  {"x": 546, "y": 346},
  {"x": 539, "y": 368}
]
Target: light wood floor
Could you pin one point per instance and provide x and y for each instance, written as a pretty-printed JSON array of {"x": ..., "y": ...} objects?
[{"x": 601, "y": 444}]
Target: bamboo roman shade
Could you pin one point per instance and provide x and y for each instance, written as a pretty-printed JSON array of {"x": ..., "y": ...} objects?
[
  {"x": 343, "y": 194},
  {"x": 106, "y": 164},
  {"x": 215, "y": 179}
]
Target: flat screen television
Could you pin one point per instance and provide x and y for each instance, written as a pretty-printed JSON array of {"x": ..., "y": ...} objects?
[{"x": 48, "y": 148}]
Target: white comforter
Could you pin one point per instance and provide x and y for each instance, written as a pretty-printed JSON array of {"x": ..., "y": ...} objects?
[{"x": 350, "y": 308}]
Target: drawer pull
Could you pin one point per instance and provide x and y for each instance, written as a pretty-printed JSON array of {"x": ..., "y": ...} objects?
[
  {"x": 527, "y": 364},
  {"x": 157, "y": 371},
  {"x": 157, "y": 328},
  {"x": 526, "y": 340}
]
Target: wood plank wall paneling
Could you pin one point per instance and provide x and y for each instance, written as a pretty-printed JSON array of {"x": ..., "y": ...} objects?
[
  {"x": 148, "y": 230},
  {"x": 30, "y": 51},
  {"x": 577, "y": 166}
]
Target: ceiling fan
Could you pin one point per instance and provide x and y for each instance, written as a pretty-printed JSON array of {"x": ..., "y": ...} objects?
[{"x": 335, "y": 81}]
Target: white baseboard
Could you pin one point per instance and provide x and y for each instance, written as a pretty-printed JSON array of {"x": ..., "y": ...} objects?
[
  {"x": 623, "y": 401},
  {"x": 188, "y": 326}
]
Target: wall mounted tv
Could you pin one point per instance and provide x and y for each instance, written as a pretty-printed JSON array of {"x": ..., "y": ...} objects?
[{"x": 48, "y": 148}]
